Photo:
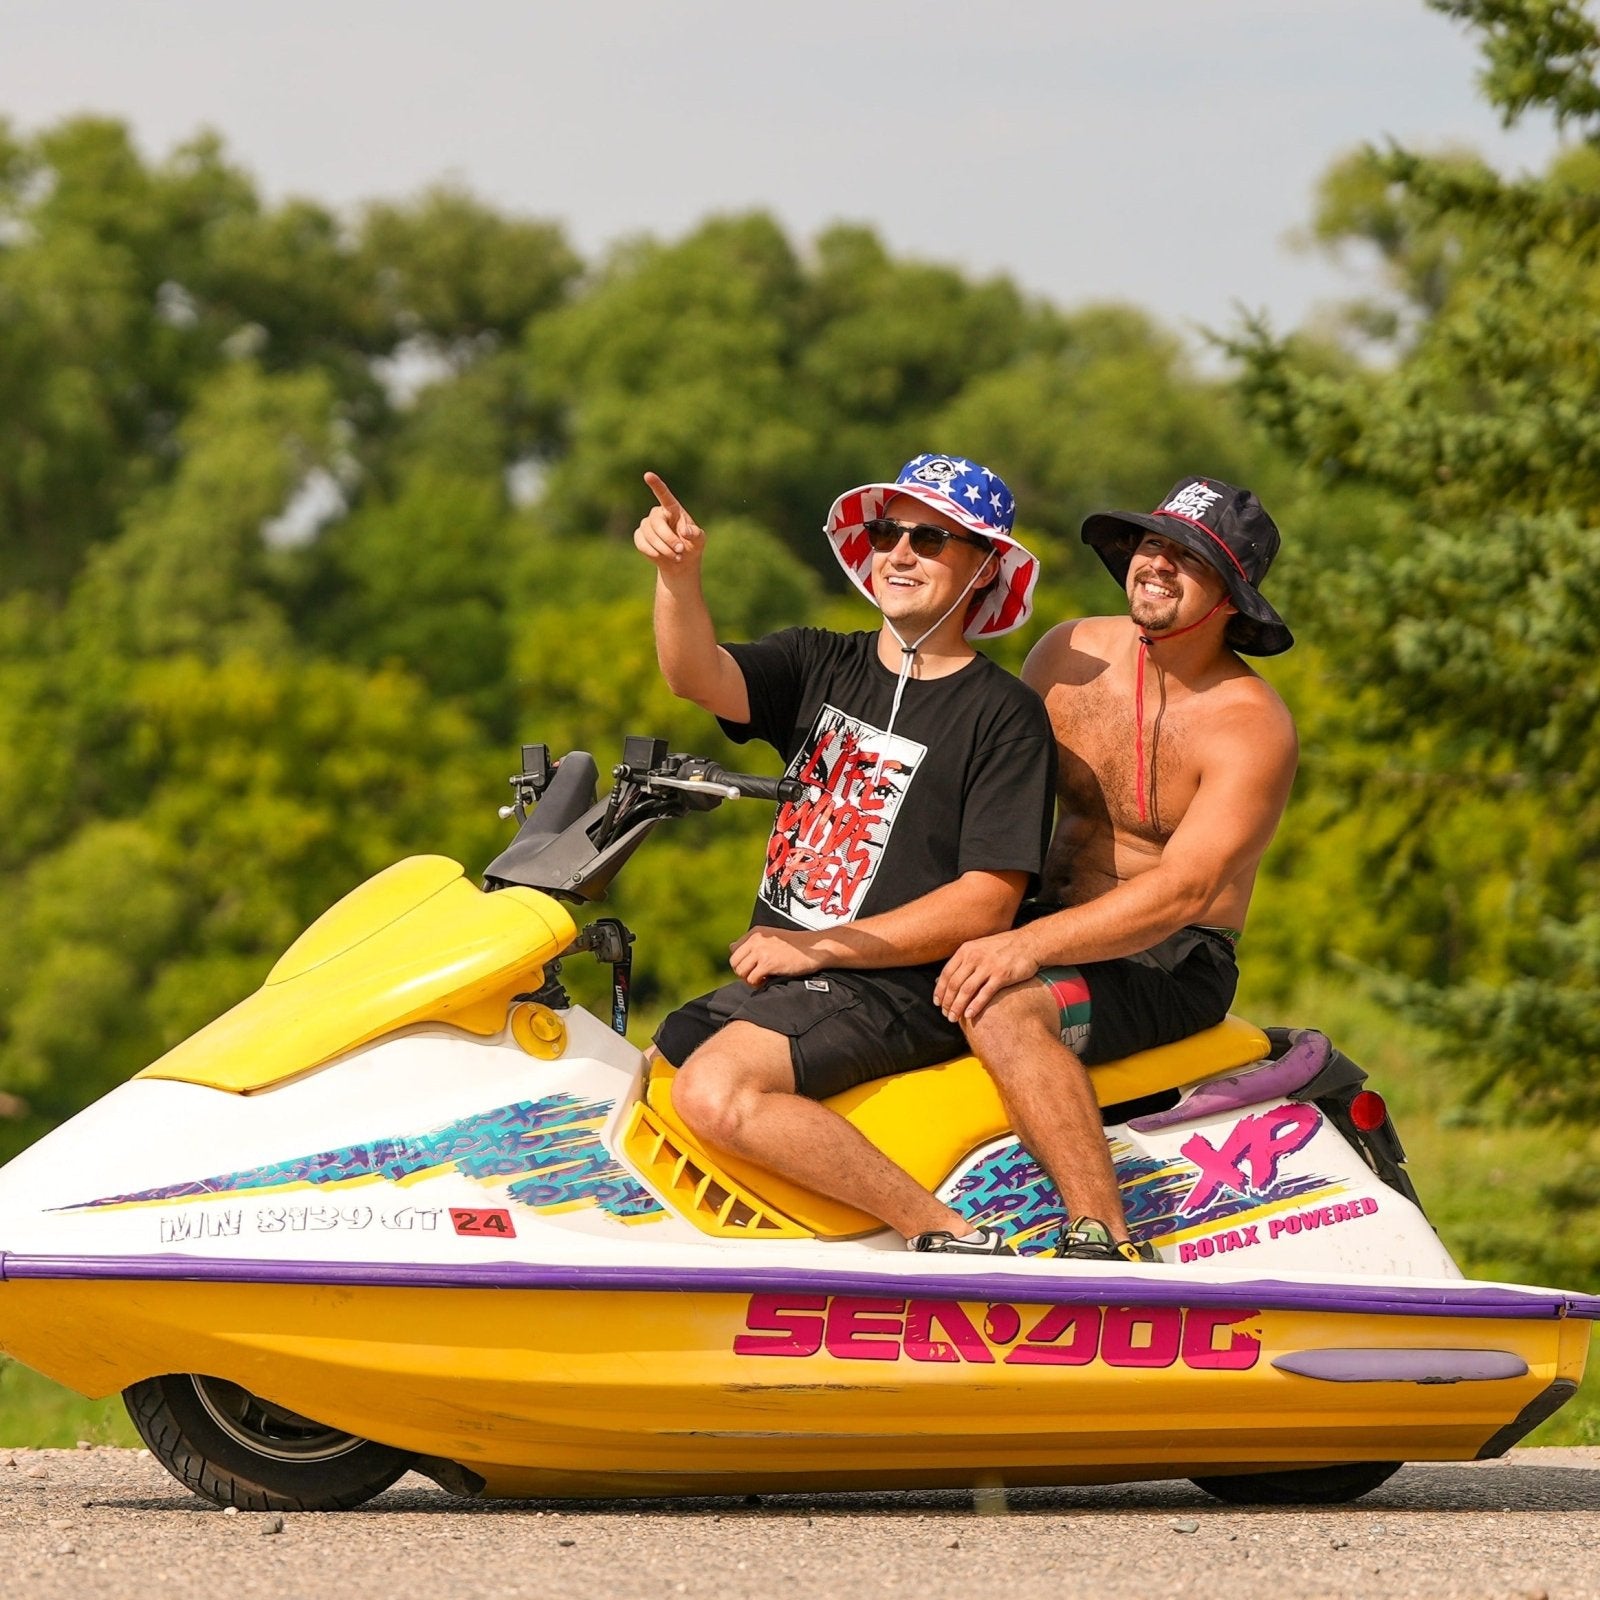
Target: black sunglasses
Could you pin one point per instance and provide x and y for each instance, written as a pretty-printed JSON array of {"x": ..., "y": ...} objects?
[{"x": 884, "y": 534}]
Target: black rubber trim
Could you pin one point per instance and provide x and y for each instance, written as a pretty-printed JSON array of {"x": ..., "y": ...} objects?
[{"x": 1537, "y": 1409}]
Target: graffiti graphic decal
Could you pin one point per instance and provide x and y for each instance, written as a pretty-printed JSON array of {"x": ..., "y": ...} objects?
[
  {"x": 825, "y": 849},
  {"x": 549, "y": 1149},
  {"x": 1206, "y": 1184}
]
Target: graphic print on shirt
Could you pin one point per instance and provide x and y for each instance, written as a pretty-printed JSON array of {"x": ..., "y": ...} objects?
[{"x": 826, "y": 848}]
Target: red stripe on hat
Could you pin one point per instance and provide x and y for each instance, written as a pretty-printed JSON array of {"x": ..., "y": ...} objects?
[
  {"x": 1178, "y": 516},
  {"x": 856, "y": 548},
  {"x": 1016, "y": 598}
]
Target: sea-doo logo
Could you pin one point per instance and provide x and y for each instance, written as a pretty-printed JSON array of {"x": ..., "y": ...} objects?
[
  {"x": 1193, "y": 500},
  {"x": 940, "y": 472},
  {"x": 865, "y": 1328}
]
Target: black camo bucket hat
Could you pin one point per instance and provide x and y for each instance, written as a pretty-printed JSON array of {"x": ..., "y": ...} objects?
[{"x": 1230, "y": 528}]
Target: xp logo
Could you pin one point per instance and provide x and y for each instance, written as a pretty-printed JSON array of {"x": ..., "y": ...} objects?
[
  {"x": 940, "y": 471},
  {"x": 1259, "y": 1142},
  {"x": 868, "y": 1328}
]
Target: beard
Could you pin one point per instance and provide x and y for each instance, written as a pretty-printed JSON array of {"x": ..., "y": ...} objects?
[{"x": 1154, "y": 615}]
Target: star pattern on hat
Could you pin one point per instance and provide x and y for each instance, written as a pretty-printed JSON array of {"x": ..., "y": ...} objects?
[{"x": 974, "y": 493}]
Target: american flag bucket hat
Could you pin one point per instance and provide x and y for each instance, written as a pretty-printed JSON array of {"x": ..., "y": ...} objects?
[{"x": 977, "y": 501}]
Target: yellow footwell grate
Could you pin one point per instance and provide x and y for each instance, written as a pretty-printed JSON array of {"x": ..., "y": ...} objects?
[{"x": 710, "y": 1199}]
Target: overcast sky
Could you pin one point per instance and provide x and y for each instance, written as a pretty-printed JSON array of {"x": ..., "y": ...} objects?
[{"x": 1157, "y": 151}]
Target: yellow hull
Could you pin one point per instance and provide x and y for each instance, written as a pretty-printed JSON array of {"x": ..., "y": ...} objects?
[{"x": 573, "y": 1392}]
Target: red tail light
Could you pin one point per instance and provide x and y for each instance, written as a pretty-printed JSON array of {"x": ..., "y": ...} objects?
[{"x": 1368, "y": 1111}]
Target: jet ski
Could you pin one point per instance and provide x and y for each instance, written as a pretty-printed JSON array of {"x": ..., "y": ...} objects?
[{"x": 408, "y": 1207}]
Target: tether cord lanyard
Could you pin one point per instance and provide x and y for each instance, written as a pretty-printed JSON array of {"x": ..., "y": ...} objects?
[
  {"x": 1145, "y": 645},
  {"x": 908, "y": 656}
]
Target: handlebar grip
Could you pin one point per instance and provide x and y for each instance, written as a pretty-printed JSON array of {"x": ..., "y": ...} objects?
[{"x": 754, "y": 787}]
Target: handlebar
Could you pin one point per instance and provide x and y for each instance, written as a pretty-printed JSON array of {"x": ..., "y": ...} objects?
[
  {"x": 572, "y": 847},
  {"x": 751, "y": 786},
  {"x": 709, "y": 782}
]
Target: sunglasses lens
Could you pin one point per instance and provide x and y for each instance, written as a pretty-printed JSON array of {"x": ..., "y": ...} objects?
[{"x": 884, "y": 535}]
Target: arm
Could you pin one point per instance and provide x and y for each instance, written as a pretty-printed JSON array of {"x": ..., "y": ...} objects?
[
  {"x": 695, "y": 666},
  {"x": 1044, "y": 668},
  {"x": 924, "y": 929},
  {"x": 1244, "y": 785}
]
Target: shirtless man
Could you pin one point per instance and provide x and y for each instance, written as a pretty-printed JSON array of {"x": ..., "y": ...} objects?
[{"x": 1176, "y": 762}]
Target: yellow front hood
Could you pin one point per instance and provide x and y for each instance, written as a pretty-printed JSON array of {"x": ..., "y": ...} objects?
[{"x": 417, "y": 943}]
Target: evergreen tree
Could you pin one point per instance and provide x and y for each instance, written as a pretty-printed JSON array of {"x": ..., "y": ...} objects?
[{"x": 1463, "y": 634}]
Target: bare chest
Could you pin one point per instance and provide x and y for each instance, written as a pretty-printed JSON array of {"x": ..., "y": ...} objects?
[{"x": 1097, "y": 730}]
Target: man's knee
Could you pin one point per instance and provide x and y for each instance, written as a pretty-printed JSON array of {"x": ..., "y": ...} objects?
[
  {"x": 723, "y": 1082},
  {"x": 1016, "y": 1020}
]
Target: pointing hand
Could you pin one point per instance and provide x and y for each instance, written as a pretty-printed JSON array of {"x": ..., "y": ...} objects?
[{"x": 668, "y": 536}]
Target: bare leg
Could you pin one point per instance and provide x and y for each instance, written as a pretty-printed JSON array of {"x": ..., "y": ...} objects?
[
  {"x": 1050, "y": 1100},
  {"x": 737, "y": 1092}
]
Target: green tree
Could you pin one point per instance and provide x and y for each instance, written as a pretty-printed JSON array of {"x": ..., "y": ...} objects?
[
  {"x": 678, "y": 359},
  {"x": 253, "y": 793},
  {"x": 191, "y": 569},
  {"x": 1462, "y": 633},
  {"x": 221, "y": 706}
]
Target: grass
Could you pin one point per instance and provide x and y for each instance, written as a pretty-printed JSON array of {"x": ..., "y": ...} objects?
[
  {"x": 1480, "y": 1181},
  {"x": 41, "y": 1415}
]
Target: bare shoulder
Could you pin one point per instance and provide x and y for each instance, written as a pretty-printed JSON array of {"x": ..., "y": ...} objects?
[
  {"x": 1244, "y": 709},
  {"x": 1070, "y": 652}
]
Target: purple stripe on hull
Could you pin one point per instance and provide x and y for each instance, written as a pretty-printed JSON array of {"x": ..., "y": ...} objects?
[
  {"x": 1158, "y": 1288},
  {"x": 1403, "y": 1366}
]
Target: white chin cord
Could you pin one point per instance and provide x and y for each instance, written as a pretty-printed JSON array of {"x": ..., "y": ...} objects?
[{"x": 908, "y": 657}]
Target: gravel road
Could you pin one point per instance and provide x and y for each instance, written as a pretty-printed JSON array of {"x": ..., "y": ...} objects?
[{"x": 109, "y": 1522}]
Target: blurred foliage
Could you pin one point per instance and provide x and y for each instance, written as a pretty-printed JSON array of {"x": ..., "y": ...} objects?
[
  {"x": 1452, "y": 755},
  {"x": 307, "y": 519}
]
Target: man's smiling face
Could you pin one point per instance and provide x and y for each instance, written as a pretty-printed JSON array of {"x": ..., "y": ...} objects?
[
  {"x": 918, "y": 590},
  {"x": 1169, "y": 586}
]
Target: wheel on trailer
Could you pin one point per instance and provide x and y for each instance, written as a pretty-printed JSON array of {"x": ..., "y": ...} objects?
[
  {"x": 240, "y": 1450},
  {"x": 1305, "y": 1486}
]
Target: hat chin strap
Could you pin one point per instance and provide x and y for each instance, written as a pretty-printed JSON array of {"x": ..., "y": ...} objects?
[
  {"x": 908, "y": 657},
  {"x": 1146, "y": 644}
]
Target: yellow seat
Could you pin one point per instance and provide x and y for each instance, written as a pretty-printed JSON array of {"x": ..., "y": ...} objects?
[{"x": 927, "y": 1121}]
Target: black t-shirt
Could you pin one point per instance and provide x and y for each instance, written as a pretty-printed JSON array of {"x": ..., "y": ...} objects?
[{"x": 967, "y": 785}]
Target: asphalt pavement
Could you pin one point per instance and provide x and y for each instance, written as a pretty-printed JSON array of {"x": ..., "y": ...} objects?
[{"x": 105, "y": 1522}]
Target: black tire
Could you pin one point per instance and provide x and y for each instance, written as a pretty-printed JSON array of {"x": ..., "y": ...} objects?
[
  {"x": 1306, "y": 1486},
  {"x": 229, "y": 1445}
]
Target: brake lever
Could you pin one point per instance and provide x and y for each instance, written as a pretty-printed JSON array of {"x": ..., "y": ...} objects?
[{"x": 723, "y": 791}]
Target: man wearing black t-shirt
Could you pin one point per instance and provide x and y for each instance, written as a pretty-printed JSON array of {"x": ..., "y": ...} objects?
[{"x": 929, "y": 775}]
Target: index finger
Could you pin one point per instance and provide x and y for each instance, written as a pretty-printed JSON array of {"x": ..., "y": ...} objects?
[{"x": 665, "y": 498}]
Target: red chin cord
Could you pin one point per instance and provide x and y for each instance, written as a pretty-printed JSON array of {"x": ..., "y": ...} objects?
[{"x": 1145, "y": 643}]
